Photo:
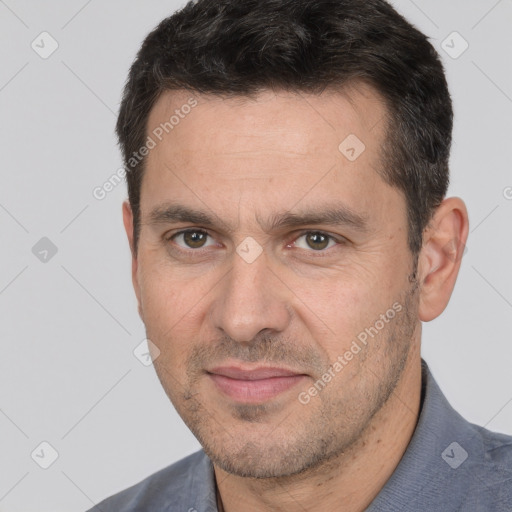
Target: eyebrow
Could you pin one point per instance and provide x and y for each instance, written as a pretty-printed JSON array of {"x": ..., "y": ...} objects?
[{"x": 335, "y": 215}]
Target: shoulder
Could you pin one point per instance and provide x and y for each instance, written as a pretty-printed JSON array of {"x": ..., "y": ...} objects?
[
  {"x": 480, "y": 469},
  {"x": 493, "y": 475},
  {"x": 498, "y": 448},
  {"x": 175, "y": 487},
  {"x": 450, "y": 464},
  {"x": 478, "y": 461}
]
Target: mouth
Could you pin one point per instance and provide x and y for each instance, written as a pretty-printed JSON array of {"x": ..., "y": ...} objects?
[{"x": 254, "y": 385}]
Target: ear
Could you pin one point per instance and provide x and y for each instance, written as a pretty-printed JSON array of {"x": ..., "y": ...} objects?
[
  {"x": 444, "y": 243},
  {"x": 128, "y": 226}
]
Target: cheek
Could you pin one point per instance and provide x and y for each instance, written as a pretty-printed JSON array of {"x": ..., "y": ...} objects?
[
  {"x": 336, "y": 309},
  {"x": 165, "y": 294},
  {"x": 171, "y": 310}
]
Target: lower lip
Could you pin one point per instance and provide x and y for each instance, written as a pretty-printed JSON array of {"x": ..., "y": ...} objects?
[{"x": 253, "y": 391}]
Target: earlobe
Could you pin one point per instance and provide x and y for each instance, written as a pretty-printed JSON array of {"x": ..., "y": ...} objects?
[{"x": 444, "y": 242}]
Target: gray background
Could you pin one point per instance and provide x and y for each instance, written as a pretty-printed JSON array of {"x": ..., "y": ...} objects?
[{"x": 69, "y": 324}]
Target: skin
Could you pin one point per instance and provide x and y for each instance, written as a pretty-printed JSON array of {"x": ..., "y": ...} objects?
[{"x": 300, "y": 304}]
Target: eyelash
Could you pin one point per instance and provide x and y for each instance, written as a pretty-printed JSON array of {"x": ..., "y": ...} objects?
[{"x": 318, "y": 253}]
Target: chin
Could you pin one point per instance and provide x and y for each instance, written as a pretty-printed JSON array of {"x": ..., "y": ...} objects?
[{"x": 267, "y": 458}]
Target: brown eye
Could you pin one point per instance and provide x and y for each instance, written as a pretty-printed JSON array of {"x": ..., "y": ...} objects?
[
  {"x": 192, "y": 239},
  {"x": 317, "y": 241}
]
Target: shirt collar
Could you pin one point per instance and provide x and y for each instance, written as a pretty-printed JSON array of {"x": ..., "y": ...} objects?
[{"x": 436, "y": 468}]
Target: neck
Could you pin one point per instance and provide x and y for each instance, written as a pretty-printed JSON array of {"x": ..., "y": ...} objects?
[{"x": 348, "y": 482}]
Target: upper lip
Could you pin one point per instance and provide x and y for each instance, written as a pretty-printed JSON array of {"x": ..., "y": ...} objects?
[{"x": 261, "y": 372}]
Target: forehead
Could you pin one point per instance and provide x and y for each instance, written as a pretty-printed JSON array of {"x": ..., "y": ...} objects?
[
  {"x": 304, "y": 121},
  {"x": 273, "y": 148}
]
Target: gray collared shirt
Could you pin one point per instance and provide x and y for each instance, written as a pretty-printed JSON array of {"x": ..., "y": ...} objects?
[{"x": 450, "y": 465}]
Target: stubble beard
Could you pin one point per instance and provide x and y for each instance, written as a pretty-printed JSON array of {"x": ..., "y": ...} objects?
[{"x": 329, "y": 430}]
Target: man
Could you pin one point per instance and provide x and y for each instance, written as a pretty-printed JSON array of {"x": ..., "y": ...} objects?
[{"x": 287, "y": 165}]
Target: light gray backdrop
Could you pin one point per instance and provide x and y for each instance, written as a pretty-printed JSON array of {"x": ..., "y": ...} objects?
[{"x": 69, "y": 325}]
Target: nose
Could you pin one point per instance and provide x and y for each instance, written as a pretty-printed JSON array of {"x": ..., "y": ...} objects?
[{"x": 251, "y": 299}]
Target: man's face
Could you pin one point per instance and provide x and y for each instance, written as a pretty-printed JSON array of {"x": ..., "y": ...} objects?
[{"x": 251, "y": 308}]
